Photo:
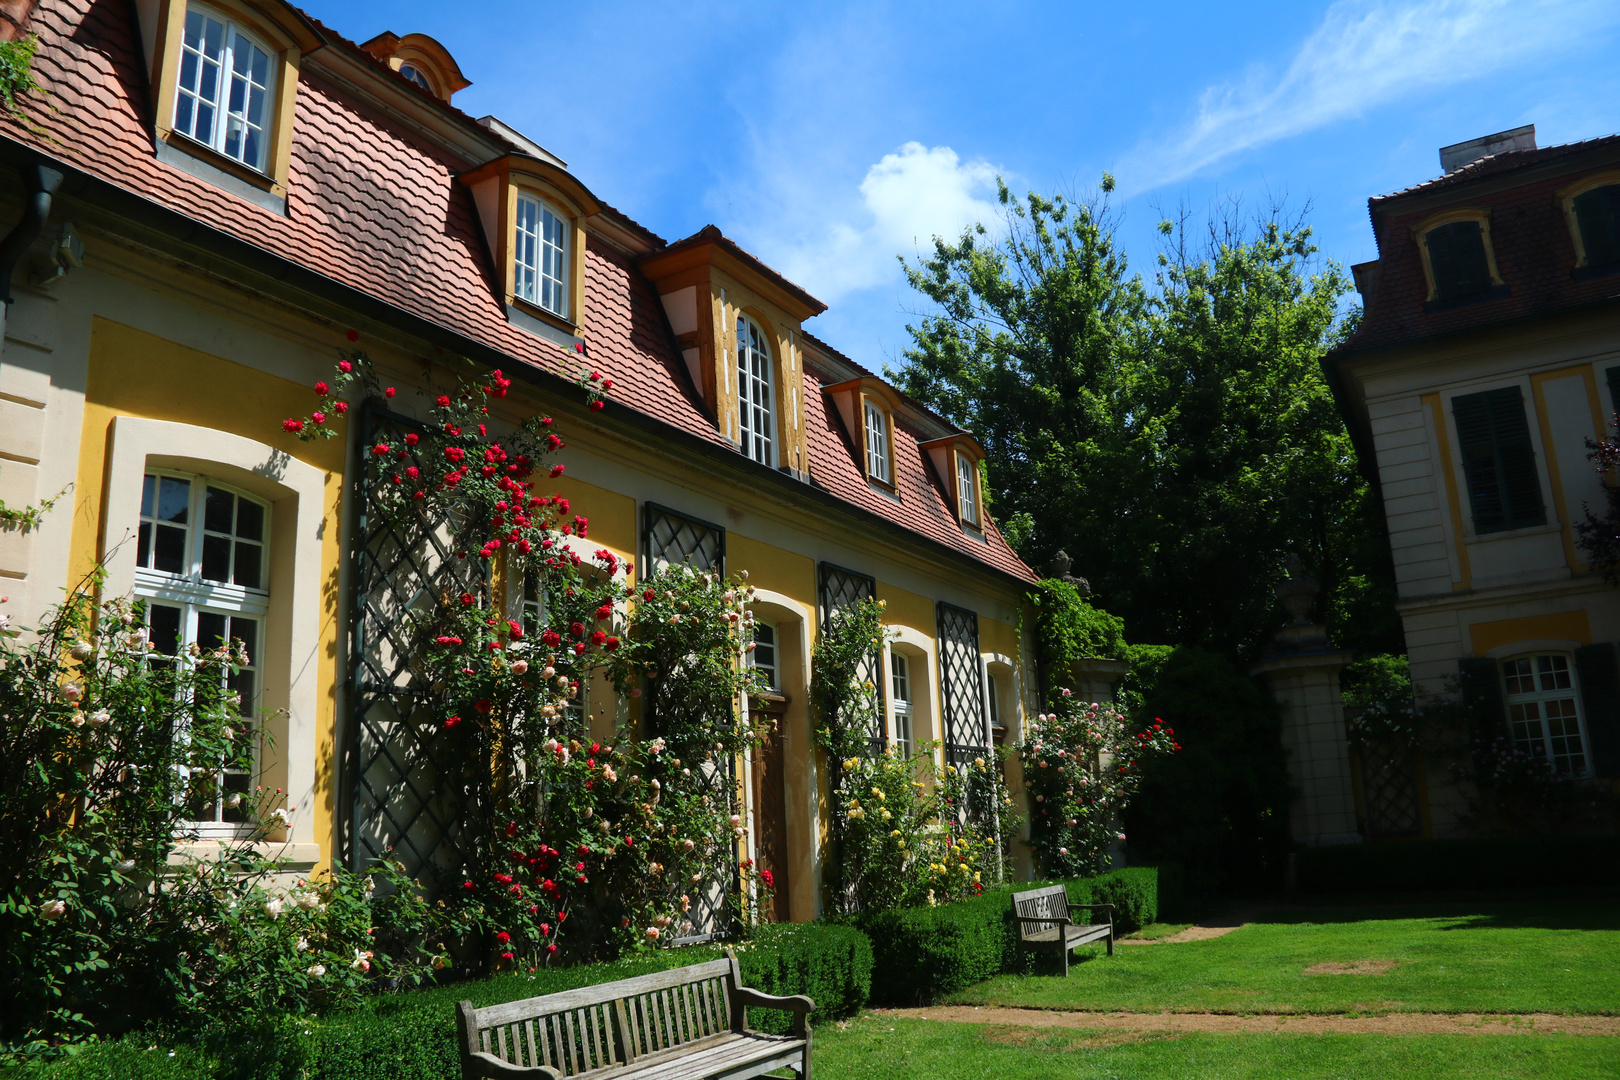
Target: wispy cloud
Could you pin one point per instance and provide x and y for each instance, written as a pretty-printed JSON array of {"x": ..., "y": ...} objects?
[{"x": 1365, "y": 54}]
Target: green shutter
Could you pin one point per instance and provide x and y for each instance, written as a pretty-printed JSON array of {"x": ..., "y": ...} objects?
[
  {"x": 1612, "y": 376},
  {"x": 1596, "y": 667},
  {"x": 1482, "y": 701},
  {"x": 1498, "y": 460},
  {"x": 1457, "y": 259},
  {"x": 1597, "y": 215}
]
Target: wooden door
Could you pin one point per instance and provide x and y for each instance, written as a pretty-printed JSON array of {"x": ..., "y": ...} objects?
[{"x": 770, "y": 821}]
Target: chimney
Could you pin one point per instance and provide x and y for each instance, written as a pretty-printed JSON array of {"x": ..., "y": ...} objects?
[{"x": 1457, "y": 155}]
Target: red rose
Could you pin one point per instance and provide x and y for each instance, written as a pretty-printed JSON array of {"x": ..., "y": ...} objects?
[
  {"x": 319, "y": 417},
  {"x": 412, "y": 439},
  {"x": 352, "y": 335},
  {"x": 452, "y": 722},
  {"x": 413, "y": 472},
  {"x": 607, "y": 384},
  {"x": 599, "y": 638},
  {"x": 388, "y": 392},
  {"x": 605, "y": 611},
  {"x": 577, "y": 630},
  {"x": 322, "y": 389},
  {"x": 579, "y": 648},
  {"x": 597, "y": 406},
  {"x": 482, "y": 705},
  {"x": 381, "y": 449},
  {"x": 292, "y": 425},
  {"x": 341, "y": 407},
  {"x": 466, "y": 599},
  {"x": 556, "y": 471},
  {"x": 551, "y": 948},
  {"x": 469, "y": 886},
  {"x": 629, "y": 841},
  {"x": 343, "y": 365},
  {"x": 768, "y": 878},
  {"x": 551, "y": 638},
  {"x": 612, "y": 643},
  {"x": 553, "y": 443},
  {"x": 502, "y": 938}
]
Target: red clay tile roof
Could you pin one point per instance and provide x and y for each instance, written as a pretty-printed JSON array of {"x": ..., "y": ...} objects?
[
  {"x": 1529, "y": 234},
  {"x": 375, "y": 207}
]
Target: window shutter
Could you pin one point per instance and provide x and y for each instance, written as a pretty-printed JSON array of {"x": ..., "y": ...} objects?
[
  {"x": 1596, "y": 667},
  {"x": 1482, "y": 699},
  {"x": 1597, "y": 215},
  {"x": 1612, "y": 376},
  {"x": 1457, "y": 259},
  {"x": 1498, "y": 460}
]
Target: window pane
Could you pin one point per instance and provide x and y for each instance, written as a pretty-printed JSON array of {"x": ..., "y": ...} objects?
[
  {"x": 174, "y": 500},
  {"x": 210, "y": 629},
  {"x": 249, "y": 566},
  {"x": 247, "y": 631},
  {"x": 249, "y": 520},
  {"x": 995, "y": 701},
  {"x": 169, "y": 553},
  {"x": 216, "y": 558},
  {"x": 1499, "y": 460},
  {"x": 217, "y": 510},
  {"x": 900, "y": 672},
  {"x": 163, "y": 626},
  {"x": 1597, "y": 215},
  {"x": 148, "y": 494},
  {"x": 1457, "y": 258},
  {"x": 1519, "y": 678},
  {"x": 143, "y": 545},
  {"x": 1554, "y": 672}
]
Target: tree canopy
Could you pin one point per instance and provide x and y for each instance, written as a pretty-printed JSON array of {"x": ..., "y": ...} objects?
[{"x": 1176, "y": 437}]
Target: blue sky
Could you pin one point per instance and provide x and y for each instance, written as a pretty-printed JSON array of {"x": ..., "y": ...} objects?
[{"x": 828, "y": 138}]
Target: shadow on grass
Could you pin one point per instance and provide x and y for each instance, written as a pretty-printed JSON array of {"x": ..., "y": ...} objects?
[{"x": 1469, "y": 912}]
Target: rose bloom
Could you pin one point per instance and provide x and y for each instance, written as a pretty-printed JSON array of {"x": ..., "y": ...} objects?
[{"x": 519, "y": 667}]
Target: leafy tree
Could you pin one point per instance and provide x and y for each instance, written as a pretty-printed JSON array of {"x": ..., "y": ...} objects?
[{"x": 1179, "y": 440}]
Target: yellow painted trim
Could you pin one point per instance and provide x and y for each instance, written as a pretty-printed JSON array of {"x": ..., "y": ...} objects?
[
  {"x": 1554, "y": 472},
  {"x": 133, "y": 373},
  {"x": 1568, "y": 625},
  {"x": 1566, "y": 203},
  {"x": 1420, "y": 233},
  {"x": 1453, "y": 497}
]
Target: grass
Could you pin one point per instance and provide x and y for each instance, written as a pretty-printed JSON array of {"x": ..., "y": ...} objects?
[
  {"x": 1509, "y": 958},
  {"x": 879, "y": 1048},
  {"x": 1156, "y": 931}
]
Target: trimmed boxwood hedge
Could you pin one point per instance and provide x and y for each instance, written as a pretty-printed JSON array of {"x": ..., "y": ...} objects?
[
  {"x": 924, "y": 953},
  {"x": 411, "y": 1036},
  {"x": 1405, "y": 866}
]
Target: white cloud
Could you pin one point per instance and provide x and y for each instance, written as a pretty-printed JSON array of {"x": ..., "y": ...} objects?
[
  {"x": 906, "y": 199},
  {"x": 1366, "y": 53}
]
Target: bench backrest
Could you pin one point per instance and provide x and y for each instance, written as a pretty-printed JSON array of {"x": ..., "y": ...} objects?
[
  {"x": 1051, "y": 901},
  {"x": 604, "y": 1027}
]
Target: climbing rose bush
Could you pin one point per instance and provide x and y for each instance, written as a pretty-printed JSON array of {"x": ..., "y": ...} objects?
[{"x": 1082, "y": 763}]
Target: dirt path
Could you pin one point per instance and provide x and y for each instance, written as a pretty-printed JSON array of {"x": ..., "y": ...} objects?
[
  {"x": 1301, "y": 1024},
  {"x": 1209, "y": 928}
]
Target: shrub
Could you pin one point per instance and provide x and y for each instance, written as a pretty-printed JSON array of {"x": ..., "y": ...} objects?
[
  {"x": 922, "y": 954},
  {"x": 411, "y": 1036},
  {"x": 1476, "y": 864},
  {"x": 1068, "y": 628},
  {"x": 1220, "y": 806}
]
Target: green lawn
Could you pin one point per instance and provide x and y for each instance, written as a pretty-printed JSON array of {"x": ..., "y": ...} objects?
[
  {"x": 1508, "y": 958},
  {"x": 875, "y": 1047}
]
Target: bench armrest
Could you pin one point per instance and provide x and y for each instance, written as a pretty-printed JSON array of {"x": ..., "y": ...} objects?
[
  {"x": 746, "y": 997},
  {"x": 1093, "y": 907},
  {"x": 481, "y": 1066}
]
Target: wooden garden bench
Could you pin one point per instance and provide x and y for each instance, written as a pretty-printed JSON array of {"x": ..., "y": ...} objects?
[
  {"x": 1046, "y": 921},
  {"x": 673, "y": 1025}
]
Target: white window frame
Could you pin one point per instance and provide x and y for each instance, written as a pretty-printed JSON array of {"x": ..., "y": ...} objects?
[
  {"x": 196, "y": 596},
  {"x": 1539, "y": 738},
  {"x": 903, "y": 701},
  {"x": 234, "y": 43},
  {"x": 993, "y": 700},
  {"x": 772, "y": 670},
  {"x": 540, "y": 254},
  {"x": 967, "y": 489},
  {"x": 756, "y": 393},
  {"x": 878, "y": 465}
]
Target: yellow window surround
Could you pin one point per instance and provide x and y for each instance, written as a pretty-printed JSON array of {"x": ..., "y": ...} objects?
[
  {"x": 944, "y": 453},
  {"x": 1420, "y": 233},
  {"x": 851, "y": 398},
  {"x": 281, "y": 28},
  {"x": 1566, "y": 201}
]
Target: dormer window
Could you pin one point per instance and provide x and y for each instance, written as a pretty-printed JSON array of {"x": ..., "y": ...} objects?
[
  {"x": 1458, "y": 259},
  {"x": 1592, "y": 207},
  {"x": 223, "y": 96},
  {"x": 756, "y": 393},
  {"x": 540, "y": 256},
  {"x": 414, "y": 74},
  {"x": 967, "y": 490},
  {"x": 878, "y": 462}
]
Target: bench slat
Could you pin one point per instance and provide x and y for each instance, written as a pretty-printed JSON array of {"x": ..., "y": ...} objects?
[{"x": 550, "y": 1003}]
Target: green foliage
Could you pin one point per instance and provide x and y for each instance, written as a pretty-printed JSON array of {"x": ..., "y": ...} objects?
[
  {"x": 845, "y": 705},
  {"x": 17, "y": 70},
  {"x": 1083, "y": 762},
  {"x": 1220, "y": 806},
  {"x": 1177, "y": 441},
  {"x": 411, "y": 1036},
  {"x": 1419, "y": 866},
  {"x": 923, "y": 953},
  {"x": 1378, "y": 699},
  {"x": 1069, "y": 628}
]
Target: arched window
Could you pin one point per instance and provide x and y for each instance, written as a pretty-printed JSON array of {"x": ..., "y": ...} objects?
[
  {"x": 756, "y": 393},
  {"x": 877, "y": 444},
  {"x": 763, "y": 658},
  {"x": 222, "y": 99},
  {"x": 416, "y": 75},
  {"x": 900, "y": 693},
  {"x": 1544, "y": 710},
  {"x": 200, "y": 567},
  {"x": 1597, "y": 216},
  {"x": 540, "y": 255}
]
